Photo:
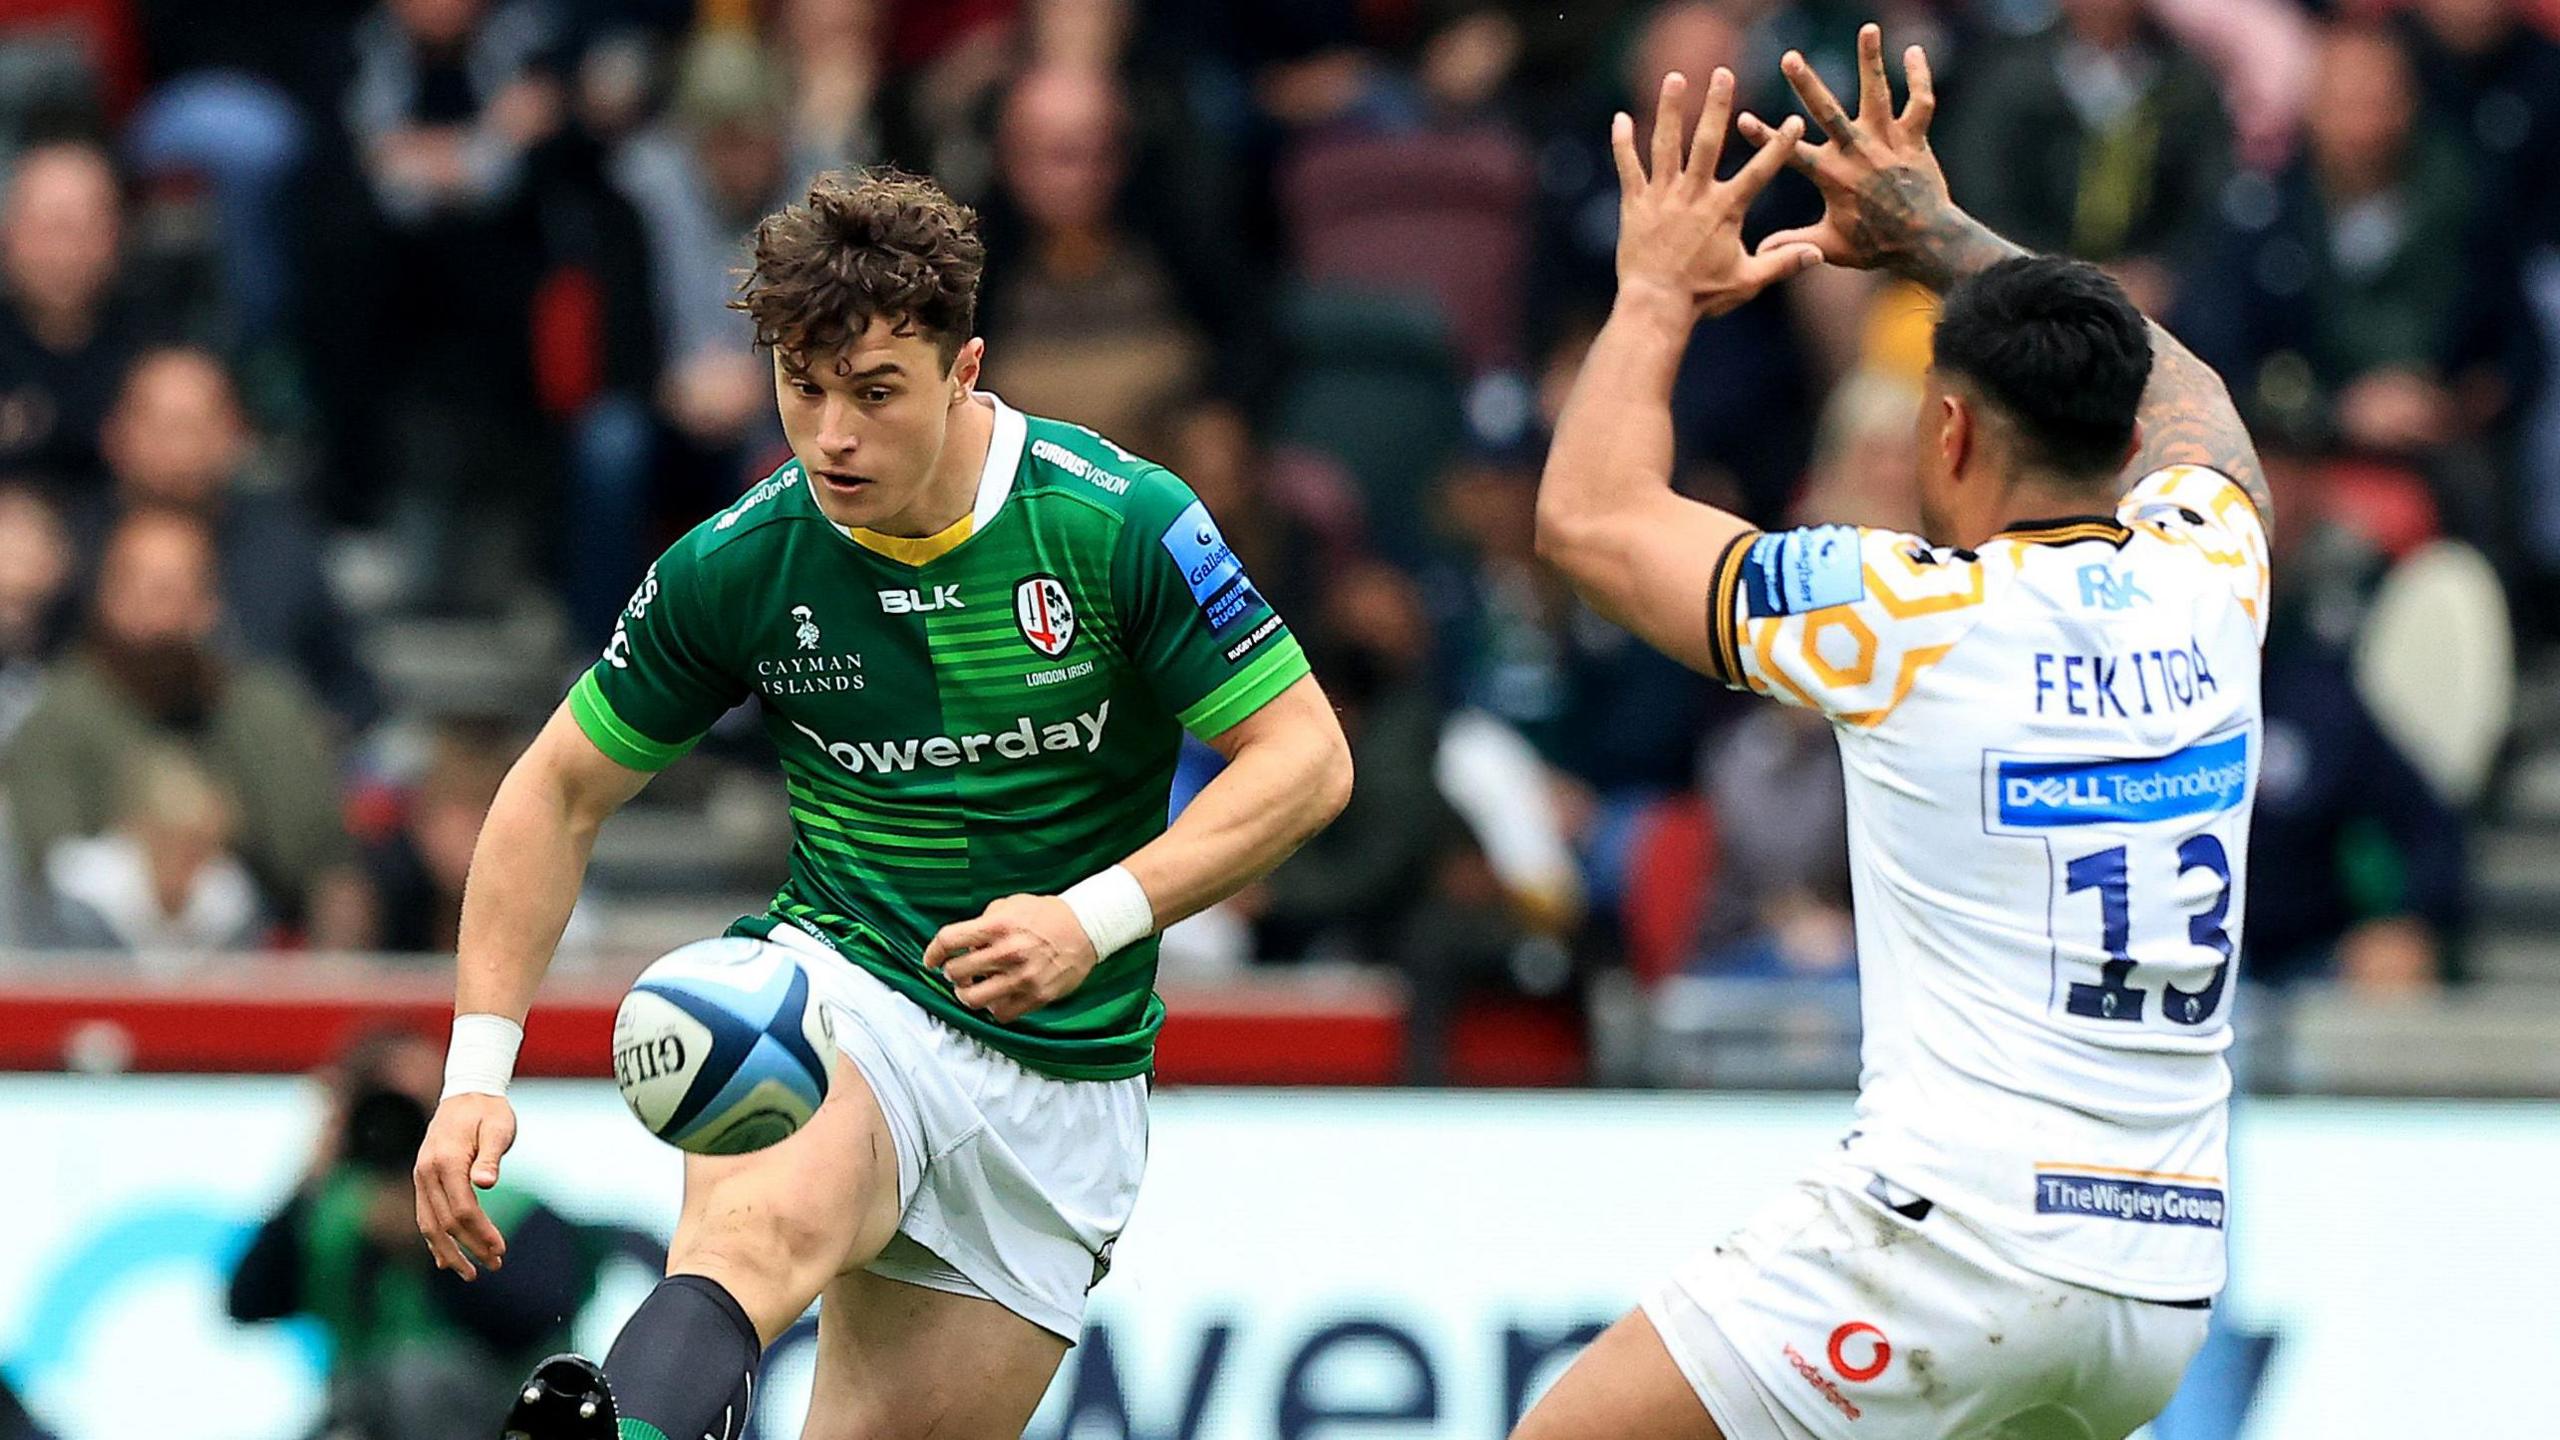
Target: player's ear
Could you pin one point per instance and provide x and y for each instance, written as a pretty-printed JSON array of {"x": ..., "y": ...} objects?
[
  {"x": 965, "y": 368},
  {"x": 2132, "y": 447},
  {"x": 1956, "y": 433}
]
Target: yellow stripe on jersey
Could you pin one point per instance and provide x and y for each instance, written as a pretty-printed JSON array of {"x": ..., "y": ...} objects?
[
  {"x": 915, "y": 549},
  {"x": 2072, "y": 533},
  {"x": 2120, "y": 1170},
  {"x": 1724, "y": 609}
]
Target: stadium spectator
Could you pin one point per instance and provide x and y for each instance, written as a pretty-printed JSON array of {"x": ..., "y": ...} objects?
[
  {"x": 832, "y": 51},
  {"x": 428, "y": 239},
  {"x": 700, "y": 180},
  {"x": 411, "y": 1349},
  {"x": 2374, "y": 857},
  {"x": 1286, "y": 514},
  {"x": 2099, "y": 137},
  {"x": 1744, "y": 401},
  {"x": 1084, "y": 319},
  {"x": 418, "y": 869},
  {"x": 178, "y": 438},
  {"x": 2352, "y": 290},
  {"x": 1779, "y": 905},
  {"x": 1618, "y": 722},
  {"x": 163, "y": 883},
  {"x": 446, "y": 101},
  {"x": 64, "y": 337},
  {"x": 1864, "y": 472},
  {"x": 1355, "y": 890},
  {"x": 36, "y": 564},
  {"x": 149, "y": 670},
  {"x": 1395, "y": 879},
  {"x": 2493, "y": 82}
]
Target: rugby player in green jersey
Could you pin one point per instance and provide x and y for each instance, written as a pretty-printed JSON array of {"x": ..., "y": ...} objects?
[{"x": 976, "y": 638}]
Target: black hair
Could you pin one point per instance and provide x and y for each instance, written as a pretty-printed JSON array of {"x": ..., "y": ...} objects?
[{"x": 2058, "y": 348}]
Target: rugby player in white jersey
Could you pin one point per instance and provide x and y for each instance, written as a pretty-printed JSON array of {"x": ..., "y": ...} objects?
[{"x": 2047, "y": 709}]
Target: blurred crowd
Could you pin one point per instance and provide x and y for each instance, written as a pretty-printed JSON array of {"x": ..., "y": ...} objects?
[{"x": 318, "y": 314}]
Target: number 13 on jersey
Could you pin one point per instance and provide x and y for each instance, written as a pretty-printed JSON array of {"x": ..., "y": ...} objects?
[{"x": 2144, "y": 891}]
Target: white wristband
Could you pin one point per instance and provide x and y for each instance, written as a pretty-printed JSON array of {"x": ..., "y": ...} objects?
[
  {"x": 482, "y": 1058},
  {"x": 1113, "y": 909}
]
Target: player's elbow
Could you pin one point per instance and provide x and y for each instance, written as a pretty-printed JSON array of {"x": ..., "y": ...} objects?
[
  {"x": 1567, "y": 538},
  {"x": 1329, "y": 789}
]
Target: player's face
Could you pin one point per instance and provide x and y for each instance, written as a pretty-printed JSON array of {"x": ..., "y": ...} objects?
[{"x": 869, "y": 424}]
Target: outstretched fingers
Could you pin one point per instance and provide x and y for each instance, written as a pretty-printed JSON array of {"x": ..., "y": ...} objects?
[
  {"x": 1706, "y": 147},
  {"x": 1666, "y": 127},
  {"x": 1818, "y": 100},
  {"x": 1805, "y": 155},
  {"x": 1622, "y": 147},
  {"x": 1924, "y": 93},
  {"x": 1755, "y": 173},
  {"x": 1875, "y": 95}
]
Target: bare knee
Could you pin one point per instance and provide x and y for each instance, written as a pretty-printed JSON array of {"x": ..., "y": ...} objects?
[{"x": 773, "y": 1259}]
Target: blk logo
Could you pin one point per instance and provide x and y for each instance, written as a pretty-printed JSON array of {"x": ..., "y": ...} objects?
[
  {"x": 916, "y": 602},
  {"x": 2104, "y": 589}
]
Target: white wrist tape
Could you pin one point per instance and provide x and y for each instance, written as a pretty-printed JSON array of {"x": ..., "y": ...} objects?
[
  {"x": 482, "y": 1058},
  {"x": 1113, "y": 908}
]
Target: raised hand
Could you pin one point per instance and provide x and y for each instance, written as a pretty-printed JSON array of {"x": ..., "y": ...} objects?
[
  {"x": 1679, "y": 227},
  {"x": 1885, "y": 202}
]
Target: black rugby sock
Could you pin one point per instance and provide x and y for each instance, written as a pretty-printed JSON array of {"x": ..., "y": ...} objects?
[{"x": 685, "y": 1365}]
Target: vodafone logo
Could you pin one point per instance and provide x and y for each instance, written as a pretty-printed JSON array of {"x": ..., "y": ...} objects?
[
  {"x": 1858, "y": 1352},
  {"x": 1844, "y": 1343}
]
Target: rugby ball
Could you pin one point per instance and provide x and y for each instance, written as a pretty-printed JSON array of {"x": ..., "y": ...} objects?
[{"x": 720, "y": 1048}]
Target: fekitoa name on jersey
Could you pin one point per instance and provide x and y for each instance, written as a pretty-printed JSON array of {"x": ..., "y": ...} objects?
[{"x": 1019, "y": 742}]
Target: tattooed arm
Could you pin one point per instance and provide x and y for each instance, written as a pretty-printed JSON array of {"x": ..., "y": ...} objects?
[{"x": 1885, "y": 207}]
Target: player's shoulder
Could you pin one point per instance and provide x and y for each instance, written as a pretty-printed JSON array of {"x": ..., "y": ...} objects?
[
  {"x": 2177, "y": 500},
  {"x": 1064, "y": 462},
  {"x": 1781, "y": 573},
  {"x": 777, "y": 499}
]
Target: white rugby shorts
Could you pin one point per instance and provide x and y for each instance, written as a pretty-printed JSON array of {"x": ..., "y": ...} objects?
[
  {"x": 1830, "y": 1316},
  {"x": 1012, "y": 1184}
]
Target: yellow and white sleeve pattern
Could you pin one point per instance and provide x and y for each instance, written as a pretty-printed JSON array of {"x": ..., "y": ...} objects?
[
  {"x": 2198, "y": 506},
  {"x": 1839, "y": 618}
]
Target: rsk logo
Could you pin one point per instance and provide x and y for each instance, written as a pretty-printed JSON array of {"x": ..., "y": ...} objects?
[
  {"x": 2104, "y": 589},
  {"x": 916, "y": 602}
]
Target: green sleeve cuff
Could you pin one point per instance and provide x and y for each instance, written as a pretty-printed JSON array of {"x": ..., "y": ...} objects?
[
  {"x": 620, "y": 743},
  {"x": 1249, "y": 690}
]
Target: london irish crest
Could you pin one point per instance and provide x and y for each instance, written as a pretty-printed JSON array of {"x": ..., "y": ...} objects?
[{"x": 1048, "y": 621}]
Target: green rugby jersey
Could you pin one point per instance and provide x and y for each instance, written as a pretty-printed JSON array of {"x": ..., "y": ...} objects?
[{"x": 990, "y": 711}]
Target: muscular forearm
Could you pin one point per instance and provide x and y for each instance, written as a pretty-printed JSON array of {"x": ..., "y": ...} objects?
[
  {"x": 1270, "y": 799},
  {"x": 525, "y": 875},
  {"x": 1613, "y": 441}
]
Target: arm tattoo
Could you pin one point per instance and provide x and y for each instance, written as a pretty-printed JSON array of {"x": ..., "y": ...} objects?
[
  {"x": 2188, "y": 419},
  {"x": 1902, "y": 215}
]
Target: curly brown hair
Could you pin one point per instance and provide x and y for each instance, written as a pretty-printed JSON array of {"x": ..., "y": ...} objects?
[{"x": 864, "y": 245}]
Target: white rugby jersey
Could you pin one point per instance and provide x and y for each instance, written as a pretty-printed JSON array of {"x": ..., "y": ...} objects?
[{"x": 2050, "y": 745}]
